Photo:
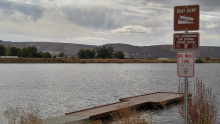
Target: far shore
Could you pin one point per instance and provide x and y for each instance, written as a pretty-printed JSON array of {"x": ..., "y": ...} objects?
[{"x": 74, "y": 60}]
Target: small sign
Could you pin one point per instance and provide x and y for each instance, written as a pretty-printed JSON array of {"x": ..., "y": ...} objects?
[
  {"x": 183, "y": 41},
  {"x": 186, "y": 18},
  {"x": 185, "y": 64}
]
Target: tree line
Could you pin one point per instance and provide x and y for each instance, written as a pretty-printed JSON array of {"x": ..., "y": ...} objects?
[
  {"x": 103, "y": 52},
  {"x": 26, "y": 52}
]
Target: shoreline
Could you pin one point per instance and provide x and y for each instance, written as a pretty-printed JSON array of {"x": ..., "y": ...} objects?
[{"x": 74, "y": 60}]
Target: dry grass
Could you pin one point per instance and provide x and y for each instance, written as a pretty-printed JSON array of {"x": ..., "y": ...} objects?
[
  {"x": 97, "y": 122},
  {"x": 212, "y": 61},
  {"x": 202, "y": 108},
  {"x": 74, "y": 60},
  {"x": 19, "y": 116},
  {"x": 127, "y": 115}
]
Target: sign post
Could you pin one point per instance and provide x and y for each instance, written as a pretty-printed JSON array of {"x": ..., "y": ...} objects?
[
  {"x": 185, "y": 68},
  {"x": 186, "y": 100},
  {"x": 186, "y": 18}
]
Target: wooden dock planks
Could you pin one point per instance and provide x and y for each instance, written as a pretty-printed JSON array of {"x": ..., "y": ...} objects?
[
  {"x": 152, "y": 99},
  {"x": 136, "y": 101}
]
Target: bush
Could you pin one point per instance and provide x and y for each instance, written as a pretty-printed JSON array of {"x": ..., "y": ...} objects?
[
  {"x": 207, "y": 58},
  {"x": 164, "y": 61},
  {"x": 198, "y": 61},
  {"x": 19, "y": 116},
  {"x": 2, "y": 50},
  {"x": 105, "y": 52},
  {"x": 29, "y": 52},
  {"x": 13, "y": 51},
  {"x": 119, "y": 55},
  {"x": 47, "y": 55},
  {"x": 202, "y": 108},
  {"x": 127, "y": 115},
  {"x": 61, "y": 54},
  {"x": 81, "y": 54}
]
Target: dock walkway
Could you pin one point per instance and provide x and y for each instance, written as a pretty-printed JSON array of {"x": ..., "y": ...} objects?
[{"x": 153, "y": 99}]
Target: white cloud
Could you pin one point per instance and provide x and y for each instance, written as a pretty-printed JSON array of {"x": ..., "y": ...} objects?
[
  {"x": 132, "y": 29},
  {"x": 96, "y": 22},
  {"x": 90, "y": 40}
]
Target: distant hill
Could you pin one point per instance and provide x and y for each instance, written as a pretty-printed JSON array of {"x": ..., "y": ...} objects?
[{"x": 159, "y": 51}]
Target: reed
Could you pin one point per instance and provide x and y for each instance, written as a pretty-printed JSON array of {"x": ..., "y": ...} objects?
[
  {"x": 202, "y": 108},
  {"x": 19, "y": 116}
]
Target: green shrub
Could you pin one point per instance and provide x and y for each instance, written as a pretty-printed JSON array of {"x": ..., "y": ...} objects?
[
  {"x": 164, "y": 61},
  {"x": 198, "y": 61}
]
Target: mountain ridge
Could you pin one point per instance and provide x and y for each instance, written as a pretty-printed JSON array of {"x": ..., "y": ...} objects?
[{"x": 155, "y": 51}]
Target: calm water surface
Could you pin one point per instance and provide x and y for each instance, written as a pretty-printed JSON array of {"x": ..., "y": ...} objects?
[{"x": 55, "y": 89}]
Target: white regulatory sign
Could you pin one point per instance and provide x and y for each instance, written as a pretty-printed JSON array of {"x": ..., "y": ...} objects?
[{"x": 185, "y": 64}]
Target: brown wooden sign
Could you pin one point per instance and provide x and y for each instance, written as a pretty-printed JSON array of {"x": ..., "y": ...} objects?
[
  {"x": 186, "y": 18},
  {"x": 183, "y": 41}
]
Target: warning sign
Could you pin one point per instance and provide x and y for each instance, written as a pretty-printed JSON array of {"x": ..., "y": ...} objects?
[
  {"x": 185, "y": 64},
  {"x": 183, "y": 41}
]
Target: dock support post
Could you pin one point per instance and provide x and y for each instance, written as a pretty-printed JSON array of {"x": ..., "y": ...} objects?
[{"x": 186, "y": 100}]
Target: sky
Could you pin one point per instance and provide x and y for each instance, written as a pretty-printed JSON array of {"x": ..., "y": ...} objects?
[{"x": 98, "y": 22}]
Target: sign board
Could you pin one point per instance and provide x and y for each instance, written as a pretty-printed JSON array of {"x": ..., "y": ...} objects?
[
  {"x": 185, "y": 64},
  {"x": 186, "y": 18},
  {"x": 183, "y": 41}
]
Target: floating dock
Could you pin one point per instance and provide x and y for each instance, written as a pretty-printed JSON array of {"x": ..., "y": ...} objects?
[{"x": 86, "y": 115}]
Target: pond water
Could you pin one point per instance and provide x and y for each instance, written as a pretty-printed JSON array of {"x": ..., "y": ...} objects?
[{"x": 55, "y": 89}]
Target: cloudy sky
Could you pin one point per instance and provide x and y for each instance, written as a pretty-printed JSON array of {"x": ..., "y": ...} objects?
[{"x": 97, "y": 22}]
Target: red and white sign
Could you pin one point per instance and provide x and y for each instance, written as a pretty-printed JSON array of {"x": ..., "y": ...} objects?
[
  {"x": 185, "y": 64},
  {"x": 183, "y": 41},
  {"x": 186, "y": 18}
]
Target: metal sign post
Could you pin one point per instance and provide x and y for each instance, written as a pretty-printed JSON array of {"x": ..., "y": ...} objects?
[
  {"x": 186, "y": 100},
  {"x": 186, "y": 96},
  {"x": 186, "y": 18}
]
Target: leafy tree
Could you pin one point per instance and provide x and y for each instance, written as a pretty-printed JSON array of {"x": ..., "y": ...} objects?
[
  {"x": 47, "y": 55},
  {"x": 119, "y": 55},
  {"x": 82, "y": 54},
  {"x": 25, "y": 52},
  {"x": 33, "y": 51},
  {"x": 198, "y": 61},
  {"x": 29, "y": 52},
  {"x": 90, "y": 53},
  {"x": 87, "y": 53},
  {"x": 13, "y": 51},
  {"x": 105, "y": 51},
  {"x": 207, "y": 58},
  {"x": 2, "y": 50},
  {"x": 40, "y": 55},
  {"x": 61, "y": 54}
]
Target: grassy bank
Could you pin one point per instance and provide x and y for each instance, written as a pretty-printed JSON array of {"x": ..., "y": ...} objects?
[
  {"x": 71, "y": 60},
  {"x": 74, "y": 60}
]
